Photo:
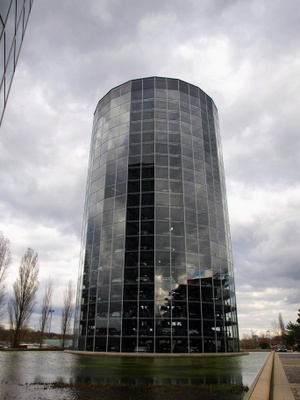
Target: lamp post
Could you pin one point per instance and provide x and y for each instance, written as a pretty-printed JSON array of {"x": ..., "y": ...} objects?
[{"x": 51, "y": 311}]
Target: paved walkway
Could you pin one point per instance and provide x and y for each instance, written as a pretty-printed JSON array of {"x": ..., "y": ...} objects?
[
  {"x": 279, "y": 378},
  {"x": 291, "y": 366}
]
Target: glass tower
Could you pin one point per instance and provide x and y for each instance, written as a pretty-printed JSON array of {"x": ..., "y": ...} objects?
[
  {"x": 14, "y": 16},
  {"x": 156, "y": 272}
]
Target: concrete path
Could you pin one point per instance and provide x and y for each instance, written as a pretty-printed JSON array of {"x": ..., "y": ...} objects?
[
  {"x": 290, "y": 362},
  {"x": 279, "y": 379}
]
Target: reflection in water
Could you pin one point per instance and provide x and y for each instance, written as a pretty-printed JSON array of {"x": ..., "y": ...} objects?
[{"x": 24, "y": 374}]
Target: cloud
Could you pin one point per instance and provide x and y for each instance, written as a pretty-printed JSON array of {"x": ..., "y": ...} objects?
[{"x": 245, "y": 55}]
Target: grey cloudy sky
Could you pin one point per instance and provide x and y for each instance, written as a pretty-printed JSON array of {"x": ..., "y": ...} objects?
[{"x": 244, "y": 54}]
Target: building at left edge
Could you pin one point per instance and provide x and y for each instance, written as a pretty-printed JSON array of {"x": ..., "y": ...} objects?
[{"x": 14, "y": 15}]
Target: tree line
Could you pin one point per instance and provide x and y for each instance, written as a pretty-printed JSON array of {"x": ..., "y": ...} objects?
[
  {"x": 287, "y": 335},
  {"x": 23, "y": 300}
]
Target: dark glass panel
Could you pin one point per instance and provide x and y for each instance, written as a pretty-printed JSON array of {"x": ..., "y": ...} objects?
[
  {"x": 194, "y": 91},
  {"x": 133, "y": 173},
  {"x": 147, "y": 213},
  {"x": 133, "y": 200},
  {"x": 133, "y": 186},
  {"x": 161, "y": 125},
  {"x": 183, "y": 87},
  {"x": 110, "y": 179},
  {"x": 174, "y": 138},
  {"x": 161, "y": 160},
  {"x": 160, "y": 114},
  {"x": 161, "y": 148},
  {"x": 176, "y": 173},
  {"x": 135, "y": 127},
  {"x": 147, "y": 199},
  {"x": 184, "y": 99},
  {"x": 148, "y": 148},
  {"x": 131, "y": 260},
  {"x": 161, "y": 137},
  {"x": 137, "y": 106},
  {"x": 174, "y": 116},
  {"x": 175, "y": 161},
  {"x": 147, "y": 242},
  {"x": 203, "y": 218},
  {"x": 147, "y": 228},
  {"x": 136, "y": 116},
  {"x": 135, "y": 138},
  {"x": 148, "y": 114},
  {"x": 132, "y": 229},
  {"x": 132, "y": 214},
  {"x": 173, "y": 105},
  {"x": 132, "y": 243},
  {"x": 147, "y": 172},
  {"x": 137, "y": 85},
  {"x": 148, "y": 185},
  {"x": 148, "y": 104},
  {"x": 172, "y": 84},
  {"x": 148, "y": 126},
  {"x": 148, "y": 158},
  {"x": 135, "y": 149},
  {"x": 188, "y": 175},
  {"x": 148, "y": 93},
  {"x": 160, "y": 83},
  {"x": 109, "y": 192},
  {"x": 148, "y": 137},
  {"x": 148, "y": 83}
]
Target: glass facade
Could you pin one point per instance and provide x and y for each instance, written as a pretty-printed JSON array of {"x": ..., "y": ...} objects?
[
  {"x": 156, "y": 272},
  {"x": 14, "y": 16}
]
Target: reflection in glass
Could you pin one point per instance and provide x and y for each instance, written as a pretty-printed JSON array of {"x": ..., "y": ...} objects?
[{"x": 156, "y": 267}]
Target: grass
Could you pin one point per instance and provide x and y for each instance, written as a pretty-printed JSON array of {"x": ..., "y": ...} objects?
[{"x": 105, "y": 391}]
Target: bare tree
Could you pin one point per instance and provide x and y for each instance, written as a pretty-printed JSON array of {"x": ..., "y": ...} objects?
[
  {"x": 46, "y": 310},
  {"x": 275, "y": 328},
  {"x": 67, "y": 312},
  {"x": 21, "y": 304},
  {"x": 281, "y": 326},
  {"x": 5, "y": 261}
]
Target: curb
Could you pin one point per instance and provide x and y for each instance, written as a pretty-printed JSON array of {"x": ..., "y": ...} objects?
[{"x": 281, "y": 387}]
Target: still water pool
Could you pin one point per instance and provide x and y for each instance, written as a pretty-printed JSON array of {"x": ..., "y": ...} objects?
[{"x": 29, "y": 374}]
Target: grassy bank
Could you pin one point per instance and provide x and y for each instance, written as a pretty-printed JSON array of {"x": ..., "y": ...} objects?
[{"x": 153, "y": 391}]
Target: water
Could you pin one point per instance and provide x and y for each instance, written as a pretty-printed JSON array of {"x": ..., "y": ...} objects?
[{"x": 28, "y": 374}]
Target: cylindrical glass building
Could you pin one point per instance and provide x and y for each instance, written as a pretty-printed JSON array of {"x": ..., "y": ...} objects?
[{"x": 156, "y": 272}]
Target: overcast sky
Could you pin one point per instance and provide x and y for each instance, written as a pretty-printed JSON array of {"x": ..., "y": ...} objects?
[{"x": 244, "y": 54}]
